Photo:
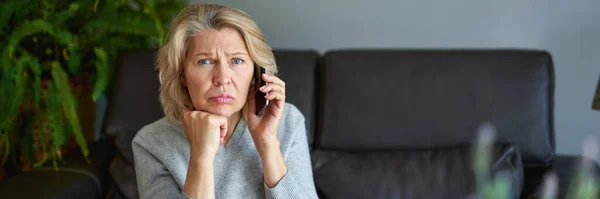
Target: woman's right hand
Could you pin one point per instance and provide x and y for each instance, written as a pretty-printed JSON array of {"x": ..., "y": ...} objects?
[{"x": 204, "y": 131}]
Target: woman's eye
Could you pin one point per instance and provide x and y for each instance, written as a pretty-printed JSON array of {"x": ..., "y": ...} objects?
[
  {"x": 204, "y": 61},
  {"x": 238, "y": 61}
]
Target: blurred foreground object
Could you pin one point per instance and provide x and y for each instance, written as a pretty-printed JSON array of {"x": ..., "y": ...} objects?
[
  {"x": 497, "y": 187},
  {"x": 585, "y": 184}
]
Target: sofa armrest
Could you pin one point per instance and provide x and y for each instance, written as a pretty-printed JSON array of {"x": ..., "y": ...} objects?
[{"x": 565, "y": 167}]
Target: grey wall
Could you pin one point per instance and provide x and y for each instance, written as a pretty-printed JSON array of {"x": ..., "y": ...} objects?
[{"x": 569, "y": 30}]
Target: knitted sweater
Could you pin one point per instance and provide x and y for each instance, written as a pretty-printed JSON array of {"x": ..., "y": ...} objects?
[{"x": 162, "y": 152}]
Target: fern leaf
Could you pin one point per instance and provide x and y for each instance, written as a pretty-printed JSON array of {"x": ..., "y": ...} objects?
[
  {"x": 42, "y": 134},
  {"x": 69, "y": 105},
  {"x": 102, "y": 73},
  {"x": 62, "y": 16},
  {"x": 37, "y": 26},
  {"x": 122, "y": 23},
  {"x": 16, "y": 92},
  {"x": 151, "y": 3},
  {"x": 8, "y": 8},
  {"x": 41, "y": 162},
  {"x": 158, "y": 25},
  {"x": 15, "y": 103},
  {"x": 36, "y": 69},
  {"x": 55, "y": 120},
  {"x": 73, "y": 58}
]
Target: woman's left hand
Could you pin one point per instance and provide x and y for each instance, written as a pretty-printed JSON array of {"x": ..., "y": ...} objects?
[{"x": 263, "y": 127}]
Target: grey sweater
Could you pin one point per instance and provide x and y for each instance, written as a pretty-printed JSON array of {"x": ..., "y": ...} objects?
[{"x": 161, "y": 155}]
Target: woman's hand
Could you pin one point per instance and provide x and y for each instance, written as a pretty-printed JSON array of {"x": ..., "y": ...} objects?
[
  {"x": 204, "y": 131},
  {"x": 263, "y": 127}
]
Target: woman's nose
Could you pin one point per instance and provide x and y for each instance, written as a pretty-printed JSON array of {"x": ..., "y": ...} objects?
[{"x": 222, "y": 74}]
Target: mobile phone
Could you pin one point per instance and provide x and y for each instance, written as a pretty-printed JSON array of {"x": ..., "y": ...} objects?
[{"x": 259, "y": 97}]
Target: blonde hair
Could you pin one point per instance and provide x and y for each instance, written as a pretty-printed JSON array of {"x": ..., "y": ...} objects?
[{"x": 191, "y": 20}]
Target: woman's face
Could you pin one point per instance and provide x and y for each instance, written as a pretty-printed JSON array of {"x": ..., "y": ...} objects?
[{"x": 218, "y": 71}]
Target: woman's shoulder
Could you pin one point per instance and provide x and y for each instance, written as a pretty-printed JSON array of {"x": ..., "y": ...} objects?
[
  {"x": 292, "y": 123},
  {"x": 291, "y": 114}
]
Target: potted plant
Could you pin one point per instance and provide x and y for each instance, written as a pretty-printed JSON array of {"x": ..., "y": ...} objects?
[{"x": 56, "y": 54}]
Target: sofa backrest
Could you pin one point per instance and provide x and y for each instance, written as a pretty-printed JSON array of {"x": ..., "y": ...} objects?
[
  {"x": 416, "y": 99},
  {"x": 385, "y": 99},
  {"x": 298, "y": 69},
  {"x": 133, "y": 98}
]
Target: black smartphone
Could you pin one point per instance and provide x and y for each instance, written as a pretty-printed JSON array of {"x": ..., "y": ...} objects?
[{"x": 259, "y": 97}]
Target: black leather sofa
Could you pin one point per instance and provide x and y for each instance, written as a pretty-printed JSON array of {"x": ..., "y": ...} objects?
[{"x": 382, "y": 123}]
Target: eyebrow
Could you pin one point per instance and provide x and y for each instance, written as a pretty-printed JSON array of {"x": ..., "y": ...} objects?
[{"x": 210, "y": 54}]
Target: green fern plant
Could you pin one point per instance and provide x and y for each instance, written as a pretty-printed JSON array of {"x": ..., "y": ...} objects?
[{"x": 45, "y": 44}]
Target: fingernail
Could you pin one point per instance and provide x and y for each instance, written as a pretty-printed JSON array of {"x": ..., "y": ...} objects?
[
  {"x": 266, "y": 95},
  {"x": 266, "y": 75},
  {"x": 262, "y": 87}
]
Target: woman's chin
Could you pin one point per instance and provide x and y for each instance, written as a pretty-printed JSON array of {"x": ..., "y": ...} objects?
[{"x": 222, "y": 110}]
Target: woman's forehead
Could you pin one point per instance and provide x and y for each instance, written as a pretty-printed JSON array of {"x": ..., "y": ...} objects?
[{"x": 227, "y": 40}]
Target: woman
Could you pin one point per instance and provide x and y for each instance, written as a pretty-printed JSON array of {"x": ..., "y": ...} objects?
[{"x": 212, "y": 144}]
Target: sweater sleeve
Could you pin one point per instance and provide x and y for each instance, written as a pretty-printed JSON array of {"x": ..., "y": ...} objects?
[
  {"x": 153, "y": 179},
  {"x": 298, "y": 181}
]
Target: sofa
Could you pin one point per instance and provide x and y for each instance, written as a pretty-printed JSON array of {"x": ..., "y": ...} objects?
[{"x": 387, "y": 123}]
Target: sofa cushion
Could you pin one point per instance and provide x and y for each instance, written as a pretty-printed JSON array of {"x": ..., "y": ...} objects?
[
  {"x": 420, "y": 99},
  {"x": 439, "y": 173}
]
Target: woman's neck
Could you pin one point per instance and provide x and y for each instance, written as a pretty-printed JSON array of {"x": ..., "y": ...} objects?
[{"x": 232, "y": 122}]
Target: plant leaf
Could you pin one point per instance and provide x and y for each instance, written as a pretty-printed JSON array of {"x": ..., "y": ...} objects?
[
  {"x": 102, "y": 73},
  {"x": 126, "y": 23},
  {"x": 62, "y": 16},
  {"x": 36, "y": 69},
  {"x": 74, "y": 60},
  {"x": 16, "y": 92},
  {"x": 55, "y": 118},
  {"x": 36, "y": 26},
  {"x": 39, "y": 118},
  {"x": 69, "y": 105},
  {"x": 8, "y": 8}
]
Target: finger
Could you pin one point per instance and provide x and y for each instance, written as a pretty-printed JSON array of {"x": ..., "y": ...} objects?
[
  {"x": 277, "y": 96},
  {"x": 223, "y": 132},
  {"x": 273, "y": 79},
  {"x": 276, "y": 99},
  {"x": 273, "y": 87},
  {"x": 222, "y": 126}
]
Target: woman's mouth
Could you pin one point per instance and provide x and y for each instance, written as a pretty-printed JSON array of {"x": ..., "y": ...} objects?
[{"x": 222, "y": 99}]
